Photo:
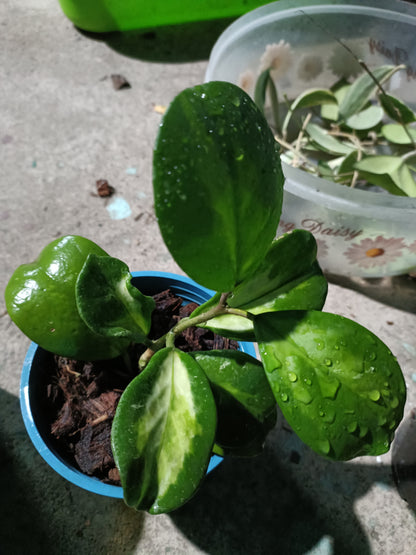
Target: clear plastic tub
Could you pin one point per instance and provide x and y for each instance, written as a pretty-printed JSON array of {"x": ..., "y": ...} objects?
[{"x": 359, "y": 233}]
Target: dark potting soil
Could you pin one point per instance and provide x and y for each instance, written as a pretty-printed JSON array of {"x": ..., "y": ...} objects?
[{"x": 83, "y": 396}]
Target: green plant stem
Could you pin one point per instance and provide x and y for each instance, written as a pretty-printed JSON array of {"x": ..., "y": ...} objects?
[{"x": 168, "y": 339}]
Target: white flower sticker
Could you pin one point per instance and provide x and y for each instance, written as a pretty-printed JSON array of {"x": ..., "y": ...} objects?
[
  {"x": 278, "y": 58},
  {"x": 310, "y": 66},
  {"x": 344, "y": 61},
  {"x": 246, "y": 81}
]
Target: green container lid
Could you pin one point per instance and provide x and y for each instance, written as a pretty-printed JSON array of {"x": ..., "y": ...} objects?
[{"x": 124, "y": 15}]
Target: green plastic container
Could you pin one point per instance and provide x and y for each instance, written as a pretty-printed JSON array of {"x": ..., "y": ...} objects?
[{"x": 124, "y": 15}]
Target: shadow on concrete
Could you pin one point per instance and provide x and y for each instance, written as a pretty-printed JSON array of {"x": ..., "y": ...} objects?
[
  {"x": 398, "y": 291},
  {"x": 187, "y": 42},
  {"x": 403, "y": 459},
  {"x": 281, "y": 504},
  {"x": 41, "y": 513}
]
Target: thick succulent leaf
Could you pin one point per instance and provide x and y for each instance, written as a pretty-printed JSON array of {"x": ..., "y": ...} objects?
[
  {"x": 366, "y": 119},
  {"x": 307, "y": 292},
  {"x": 228, "y": 325},
  {"x": 289, "y": 258},
  {"x": 397, "y": 134},
  {"x": 296, "y": 284},
  {"x": 307, "y": 99},
  {"x": 384, "y": 181},
  {"x": 331, "y": 111},
  {"x": 163, "y": 432},
  {"x": 389, "y": 172},
  {"x": 245, "y": 403},
  {"x": 323, "y": 141},
  {"x": 404, "y": 180},
  {"x": 379, "y": 164},
  {"x": 363, "y": 89},
  {"x": 396, "y": 109},
  {"x": 107, "y": 301},
  {"x": 218, "y": 184},
  {"x": 338, "y": 385}
]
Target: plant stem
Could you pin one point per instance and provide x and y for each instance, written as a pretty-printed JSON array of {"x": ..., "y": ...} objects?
[{"x": 168, "y": 339}]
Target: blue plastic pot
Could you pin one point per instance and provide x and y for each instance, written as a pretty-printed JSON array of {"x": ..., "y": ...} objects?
[{"x": 35, "y": 371}]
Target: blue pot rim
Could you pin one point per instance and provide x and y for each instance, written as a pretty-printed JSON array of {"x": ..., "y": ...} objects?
[{"x": 183, "y": 286}]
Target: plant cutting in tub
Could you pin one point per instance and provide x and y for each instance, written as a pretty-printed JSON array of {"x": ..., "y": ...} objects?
[
  {"x": 218, "y": 189},
  {"x": 353, "y": 133}
]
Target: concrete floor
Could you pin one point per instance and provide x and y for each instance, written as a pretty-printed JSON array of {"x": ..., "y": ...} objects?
[{"x": 62, "y": 127}]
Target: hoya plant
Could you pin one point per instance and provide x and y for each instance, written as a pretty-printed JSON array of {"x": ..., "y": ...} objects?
[
  {"x": 218, "y": 188},
  {"x": 353, "y": 133}
]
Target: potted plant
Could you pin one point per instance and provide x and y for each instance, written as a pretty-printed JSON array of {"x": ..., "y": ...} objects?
[
  {"x": 39, "y": 377},
  {"x": 336, "y": 82},
  {"x": 218, "y": 189}
]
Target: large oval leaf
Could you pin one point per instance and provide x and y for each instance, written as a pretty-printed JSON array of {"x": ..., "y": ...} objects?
[
  {"x": 245, "y": 402},
  {"x": 218, "y": 184},
  {"x": 163, "y": 432},
  {"x": 338, "y": 385}
]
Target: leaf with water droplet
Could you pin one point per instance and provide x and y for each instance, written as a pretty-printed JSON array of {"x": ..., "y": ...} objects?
[
  {"x": 232, "y": 182},
  {"x": 245, "y": 403},
  {"x": 341, "y": 396},
  {"x": 297, "y": 284}
]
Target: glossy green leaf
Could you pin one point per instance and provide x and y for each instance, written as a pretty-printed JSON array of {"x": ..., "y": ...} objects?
[
  {"x": 397, "y": 134},
  {"x": 323, "y": 141},
  {"x": 163, "y": 432},
  {"x": 289, "y": 278},
  {"x": 246, "y": 406},
  {"x": 366, "y": 119},
  {"x": 218, "y": 184},
  {"x": 229, "y": 325},
  {"x": 363, "y": 89},
  {"x": 338, "y": 385},
  {"x": 107, "y": 301},
  {"x": 40, "y": 298},
  {"x": 307, "y": 99},
  {"x": 289, "y": 260},
  {"x": 396, "y": 109}
]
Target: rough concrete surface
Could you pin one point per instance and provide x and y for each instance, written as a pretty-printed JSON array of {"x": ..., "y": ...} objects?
[{"x": 63, "y": 126}]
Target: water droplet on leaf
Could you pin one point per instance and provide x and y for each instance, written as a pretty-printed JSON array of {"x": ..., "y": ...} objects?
[
  {"x": 374, "y": 395},
  {"x": 394, "y": 402},
  {"x": 303, "y": 395},
  {"x": 352, "y": 426},
  {"x": 324, "y": 446}
]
